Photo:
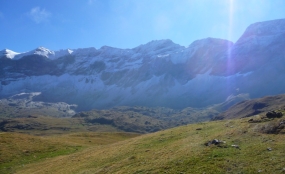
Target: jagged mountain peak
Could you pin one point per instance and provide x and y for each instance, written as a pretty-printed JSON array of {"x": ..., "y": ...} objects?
[
  {"x": 61, "y": 53},
  {"x": 263, "y": 29},
  {"x": 6, "y": 50},
  {"x": 90, "y": 49},
  {"x": 105, "y": 47},
  {"x": 158, "y": 73},
  {"x": 158, "y": 46},
  {"x": 43, "y": 51},
  {"x": 161, "y": 41},
  {"x": 211, "y": 41}
]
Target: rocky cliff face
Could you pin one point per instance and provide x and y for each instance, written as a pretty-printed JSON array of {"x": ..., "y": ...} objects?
[{"x": 159, "y": 73}]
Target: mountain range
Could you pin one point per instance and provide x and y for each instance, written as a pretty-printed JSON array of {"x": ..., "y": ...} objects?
[{"x": 158, "y": 73}]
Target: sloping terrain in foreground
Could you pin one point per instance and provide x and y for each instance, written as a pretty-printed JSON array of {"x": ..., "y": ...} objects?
[
  {"x": 248, "y": 145},
  {"x": 17, "y": 150}
]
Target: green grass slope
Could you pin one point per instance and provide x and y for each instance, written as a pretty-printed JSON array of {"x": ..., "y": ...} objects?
[
  {"x": 18, "y": 150},
  {"x": 183, "y": 150}
]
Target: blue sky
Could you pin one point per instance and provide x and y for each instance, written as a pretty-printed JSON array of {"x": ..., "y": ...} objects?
[{"x": 61, "y": 24}]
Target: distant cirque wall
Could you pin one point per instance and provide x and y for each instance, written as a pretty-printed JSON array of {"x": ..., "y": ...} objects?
[{"x": 159, "y": 73}]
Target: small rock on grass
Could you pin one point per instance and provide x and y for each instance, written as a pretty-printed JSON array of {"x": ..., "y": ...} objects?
[
  {"x": 216, "y": 142},
  {"x": 235, "y": 146}
]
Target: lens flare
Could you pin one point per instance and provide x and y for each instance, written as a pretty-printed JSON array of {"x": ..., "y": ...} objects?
[
  {"x": 230, "y": 30},
  {"x": 230, "y": 64}
]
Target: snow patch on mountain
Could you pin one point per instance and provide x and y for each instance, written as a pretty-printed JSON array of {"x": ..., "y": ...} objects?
[
  {"x": 61, "y": 53},
  {"x": 41, "y": 51},
  {"x": 38, "y": 51},
  {"x": 8, "y": 53},
  {"x": 25, "y": 95}
]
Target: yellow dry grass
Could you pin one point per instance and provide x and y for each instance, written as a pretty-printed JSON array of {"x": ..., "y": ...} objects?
[
  {"x": 17, "y": 149},
  {"x": 178, "y": 150}
]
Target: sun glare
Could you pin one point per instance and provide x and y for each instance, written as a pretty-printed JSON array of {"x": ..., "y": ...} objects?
[
  {"x": 230, "y": 31},
  {"x": 230, "y": 63}
]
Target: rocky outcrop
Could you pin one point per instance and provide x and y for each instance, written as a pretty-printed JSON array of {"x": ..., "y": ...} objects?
[
  {"x": 254, "y": 107},
  {"x": 274, "y": 114}
]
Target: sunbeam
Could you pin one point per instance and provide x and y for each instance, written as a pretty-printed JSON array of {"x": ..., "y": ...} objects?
[
  {"x": 230, "y": 32},
  {"x": 230, "y": 63}
]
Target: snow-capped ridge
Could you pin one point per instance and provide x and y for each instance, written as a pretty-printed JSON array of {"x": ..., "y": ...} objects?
[
  {"x": 158, "y": 73},
  {"x": 61, "y": 53},
  {"x": 41, "y": 51},
  {"x": 8, "y": 53},
  {"x": 44, "y": 52}
]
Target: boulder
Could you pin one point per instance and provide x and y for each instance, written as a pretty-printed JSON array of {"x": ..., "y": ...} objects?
[
  {"x": 273, "y": 114},
  {"x": 216, "y": 142}
]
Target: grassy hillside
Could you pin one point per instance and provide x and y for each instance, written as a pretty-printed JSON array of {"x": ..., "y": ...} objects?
[
  {"x": 17, "y": 150},
  {"x": 248, "y": 145}
]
